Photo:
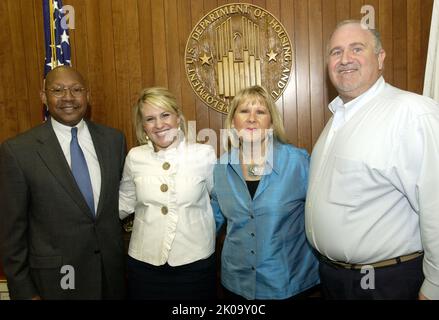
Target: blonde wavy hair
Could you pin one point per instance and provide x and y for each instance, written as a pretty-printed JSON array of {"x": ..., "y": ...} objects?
[
  {"x": 261, "y": 95},
  {"x": 160, "y": 98}
]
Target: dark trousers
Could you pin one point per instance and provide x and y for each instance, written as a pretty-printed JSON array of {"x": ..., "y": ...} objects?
[
  {"x": 397, "y": 282},
  {"x": 194, "y": 281}
]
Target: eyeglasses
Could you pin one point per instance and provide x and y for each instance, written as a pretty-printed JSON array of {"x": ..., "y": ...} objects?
[{"x": 75, "y": 91}]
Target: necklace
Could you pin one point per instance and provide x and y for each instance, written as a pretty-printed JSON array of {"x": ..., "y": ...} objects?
[{"x": 254, "y": 170}]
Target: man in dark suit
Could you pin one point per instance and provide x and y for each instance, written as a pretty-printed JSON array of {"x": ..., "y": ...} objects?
[{"x": 59, "y": 240}]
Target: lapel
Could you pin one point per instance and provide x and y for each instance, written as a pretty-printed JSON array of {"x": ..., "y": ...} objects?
[
  {"x": 53, "y": 157},
  {"x": 100, "y": 143},
  {"x": 235, "y": 164},
  {"x": 271, "y": 164},
  {"x": 236, "y": 174}
]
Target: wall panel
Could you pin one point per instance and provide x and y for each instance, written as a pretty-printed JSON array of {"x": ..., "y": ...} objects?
[
  {"x": 288, "y": 102},
  {"x": 123, "y": 46}
]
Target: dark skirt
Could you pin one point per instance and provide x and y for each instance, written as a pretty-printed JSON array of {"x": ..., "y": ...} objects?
[{"x": 193, "y": 281}]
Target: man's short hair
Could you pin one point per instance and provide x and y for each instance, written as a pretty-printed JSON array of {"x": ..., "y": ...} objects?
[{"x": 375, "y": 33}]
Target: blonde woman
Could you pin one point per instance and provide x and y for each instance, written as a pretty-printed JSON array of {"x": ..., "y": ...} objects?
[
  {"x": 260, "y": 188},
  {"x": 166, "y": 182}
]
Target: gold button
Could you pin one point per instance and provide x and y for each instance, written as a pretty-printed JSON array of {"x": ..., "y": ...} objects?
[
  {"x": 166, "y": 166},
  {"x": 165, "y": 210},
  {"x": 164, "y": 188}
]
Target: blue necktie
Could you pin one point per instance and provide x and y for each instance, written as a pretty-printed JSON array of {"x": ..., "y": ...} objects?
[{"x": 80, "y": 170}]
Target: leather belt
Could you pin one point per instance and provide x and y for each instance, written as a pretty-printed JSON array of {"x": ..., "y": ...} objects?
[{"x": 379, "y": 264}]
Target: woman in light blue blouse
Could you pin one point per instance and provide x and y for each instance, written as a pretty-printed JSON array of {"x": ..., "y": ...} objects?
[{"x": 259, "y": 190}]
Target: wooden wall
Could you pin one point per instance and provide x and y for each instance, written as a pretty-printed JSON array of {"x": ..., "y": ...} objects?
[{"x": 121, "y": 46}]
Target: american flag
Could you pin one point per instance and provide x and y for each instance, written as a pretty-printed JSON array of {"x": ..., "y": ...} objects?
[{"x": 57, "y": 38}]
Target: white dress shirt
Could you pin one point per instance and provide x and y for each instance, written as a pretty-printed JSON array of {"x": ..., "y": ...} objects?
[
  {"x": 64, "y": 135},
  {"x": 169, "y": 192},
  {"x": 373, "y": 189}
]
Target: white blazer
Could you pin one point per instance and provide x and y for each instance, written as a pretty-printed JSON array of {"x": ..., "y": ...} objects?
[{"x": 169, "y": 192}]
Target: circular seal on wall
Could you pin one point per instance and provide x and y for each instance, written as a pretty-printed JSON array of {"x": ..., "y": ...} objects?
[{"x": 236, "y": 46}]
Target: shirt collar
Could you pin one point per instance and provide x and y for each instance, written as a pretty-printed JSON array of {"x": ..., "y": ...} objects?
[
  {"x": 359, "y": 101},
  {"x": 170, "y": 152},
  {"x": 66, "y": 130},
  {"x": 270, "y": 160}
]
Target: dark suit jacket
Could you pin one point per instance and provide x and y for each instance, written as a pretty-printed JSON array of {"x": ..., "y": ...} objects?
[{"x": 46, "y": 224}]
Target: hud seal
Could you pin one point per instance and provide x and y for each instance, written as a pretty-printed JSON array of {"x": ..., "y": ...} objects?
[{"x": 236, "y": 46}]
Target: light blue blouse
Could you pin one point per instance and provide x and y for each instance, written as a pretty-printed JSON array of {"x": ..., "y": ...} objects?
[{"x": 265, "y": 253}]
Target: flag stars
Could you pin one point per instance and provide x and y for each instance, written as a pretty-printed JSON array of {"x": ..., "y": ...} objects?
[
  {"x": 51, "y": 65},
  {"x": 65, "y": 37},
  {"x": 59, "y": 47}
]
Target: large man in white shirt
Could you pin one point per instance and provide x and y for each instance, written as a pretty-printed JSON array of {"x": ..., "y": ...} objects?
[{"x": 372, "y": 209}]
